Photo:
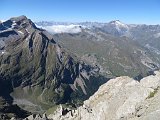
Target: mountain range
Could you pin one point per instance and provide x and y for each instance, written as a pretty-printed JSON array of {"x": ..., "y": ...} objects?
[
  {"x": 45, "y": 65},
  {"x": 117, "y": 48}
]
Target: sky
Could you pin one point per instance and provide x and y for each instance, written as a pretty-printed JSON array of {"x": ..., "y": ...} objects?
[{"x": 127, "y": 11}]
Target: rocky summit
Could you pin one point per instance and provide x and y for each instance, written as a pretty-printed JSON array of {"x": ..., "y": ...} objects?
[
  {"x": 122, "y": 98},
  {"x": 36, "y": 73}
]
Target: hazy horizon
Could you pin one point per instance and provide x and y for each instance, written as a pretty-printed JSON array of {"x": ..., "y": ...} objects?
[{"x": 127, "y": 11}]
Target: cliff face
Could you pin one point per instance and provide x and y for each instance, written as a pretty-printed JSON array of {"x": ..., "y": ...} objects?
[
  {"x": 34, "y": 67},
  {"x": 33, "y": 62},
  {"x": 121, "y": 98}
]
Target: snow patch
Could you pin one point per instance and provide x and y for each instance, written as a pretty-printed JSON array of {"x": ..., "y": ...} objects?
[
  {"x": 3, "y": 52},
  {"x": 38, "y": 26},
  {"x": 20, "y": 32},
  {"x": 119, "y": 24},
  {"x": 8, "y": 29},
  {"x": 27, "y": 31},
  {"x": 14, "y": 24},
  {"x": 157, "y": 35}
]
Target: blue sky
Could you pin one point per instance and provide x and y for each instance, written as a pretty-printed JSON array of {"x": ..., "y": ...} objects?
[{"x": 128, "y": 11}]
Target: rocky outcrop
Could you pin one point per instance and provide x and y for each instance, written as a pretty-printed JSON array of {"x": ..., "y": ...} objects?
[
  {"x": 37, "y": 117},
  {"x": 122, "y": 98}
]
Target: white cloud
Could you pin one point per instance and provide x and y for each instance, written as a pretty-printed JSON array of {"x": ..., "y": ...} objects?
[{"x": 62, "y": 28}]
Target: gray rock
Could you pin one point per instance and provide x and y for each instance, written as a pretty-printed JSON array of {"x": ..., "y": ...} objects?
[{"x": 121, "y": 98}]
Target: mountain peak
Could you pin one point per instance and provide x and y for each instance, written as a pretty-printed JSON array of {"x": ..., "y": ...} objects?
[
  {"x": 114, "y": 21},
  {"x": 21, "y": 21},
  {"x": 117, "y": 22},
  {"x": 20, "y": 18},
  {"x": 118, "y": 25}
]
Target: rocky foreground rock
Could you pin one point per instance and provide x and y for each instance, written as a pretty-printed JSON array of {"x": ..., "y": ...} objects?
[{"x": 122, "y": 98}]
